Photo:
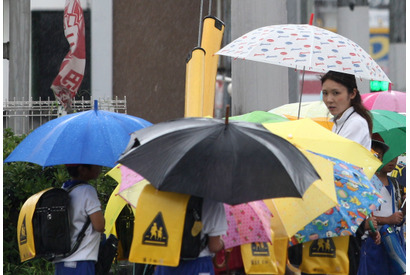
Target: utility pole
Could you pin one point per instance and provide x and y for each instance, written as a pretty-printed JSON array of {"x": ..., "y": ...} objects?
[
  {"x": 397, "y": 52},
  {"x": 353, "y": 23},
  {"x": 19, "y": 63}
]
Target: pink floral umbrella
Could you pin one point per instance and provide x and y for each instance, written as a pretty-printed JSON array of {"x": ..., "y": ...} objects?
[
  {"x": 131, "y": 183},
  {"x": 394, "y": 101},
  {"x": 247, "y": 223},
  {"x": 305, "y": 47}
]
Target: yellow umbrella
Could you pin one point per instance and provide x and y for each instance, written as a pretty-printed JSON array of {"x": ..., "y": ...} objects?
[
  {"x": 306, "y": 134},
  {"x": 119, "y": 199},
  {"x": 323, "y": 121},
  {"x": 316, "y": 110},
  {"x": 309, "y": 109},
  {"x": 291, "y": 214}
]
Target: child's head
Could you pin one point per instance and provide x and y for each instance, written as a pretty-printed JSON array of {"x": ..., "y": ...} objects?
[
  {"x": 380, "y": 148},
  {"x": 84, "y": 172}
]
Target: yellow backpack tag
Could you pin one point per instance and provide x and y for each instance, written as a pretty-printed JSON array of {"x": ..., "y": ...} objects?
[
  {"x": 259, "y": 258},
  {"x": 158, "y": 227},
  {"x": 326, "y": 256},
  {"x": 25, "y": 235}
]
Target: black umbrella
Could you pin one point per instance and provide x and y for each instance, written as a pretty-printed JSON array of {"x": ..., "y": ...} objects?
[{"x": 233, "y": 162}]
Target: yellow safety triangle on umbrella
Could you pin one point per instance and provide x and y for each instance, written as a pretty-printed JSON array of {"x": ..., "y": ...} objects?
[
  {"x": 159, "y": 227},
  {"x": 194, "y": 82},
  {"x": 25, "y": 234},
  {"x": 212, "y": 34},
  {"x": 307, "y": 134},
  {"x": 291, "y": 214}
]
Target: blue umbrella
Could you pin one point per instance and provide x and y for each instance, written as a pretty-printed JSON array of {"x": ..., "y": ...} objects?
[{"x": 91, "y": 137}]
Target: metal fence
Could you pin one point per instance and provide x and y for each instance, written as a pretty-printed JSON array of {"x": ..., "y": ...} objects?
[{"x": 23, "y": 116}]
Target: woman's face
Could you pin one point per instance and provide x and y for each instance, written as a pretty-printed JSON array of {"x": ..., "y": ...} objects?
[{"x": 336, "y": 97}]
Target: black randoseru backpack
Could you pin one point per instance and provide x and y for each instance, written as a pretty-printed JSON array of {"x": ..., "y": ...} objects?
[
  {"x": 192, "y": 245},
  {"x": 51, "y": 226}
]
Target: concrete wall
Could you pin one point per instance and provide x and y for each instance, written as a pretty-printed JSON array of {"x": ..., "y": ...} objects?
[{"x": 151, "y": 40}]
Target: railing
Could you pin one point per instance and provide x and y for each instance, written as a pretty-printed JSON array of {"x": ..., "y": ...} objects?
[{"x": 24, "y": 116}]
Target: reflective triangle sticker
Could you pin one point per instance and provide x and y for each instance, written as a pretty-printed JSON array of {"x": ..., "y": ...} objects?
[
  {"x": 260, "y": 249},
  {"x": 156, "y": 233},
  {"x": 23, "y": 232},
  {"x": 323, "y": 248}
]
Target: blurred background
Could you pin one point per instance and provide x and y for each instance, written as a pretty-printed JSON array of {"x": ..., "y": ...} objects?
[{"x": 136, "y": 54}]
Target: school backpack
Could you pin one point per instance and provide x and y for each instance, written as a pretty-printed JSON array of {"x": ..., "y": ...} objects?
[
  {"x": 192, "y": 244},
  {"x": 124, "y": 225},
  {"x": 43, "y": 228}
]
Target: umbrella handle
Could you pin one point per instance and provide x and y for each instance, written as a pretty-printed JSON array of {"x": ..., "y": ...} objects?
[
  {"x": 372, "y": 226},
  {"x": 227, "y": 114}
]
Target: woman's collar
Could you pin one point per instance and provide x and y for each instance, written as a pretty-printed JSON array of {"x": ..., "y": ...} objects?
[{"x": 344, "y": 116}]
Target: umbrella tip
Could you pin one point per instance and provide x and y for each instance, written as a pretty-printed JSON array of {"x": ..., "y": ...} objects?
[
  {"x": 227, "y": 114},
  {"x": 311, "y": 18},
  {"x": 95, "y": 105}
]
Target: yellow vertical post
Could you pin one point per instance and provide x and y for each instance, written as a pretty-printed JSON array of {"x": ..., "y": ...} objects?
[
  {"x": 194, "y": 82},
  {"x": 212, "y": 34}
]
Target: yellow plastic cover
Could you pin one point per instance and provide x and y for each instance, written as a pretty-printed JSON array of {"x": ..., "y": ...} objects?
[
  {"x": 259, "y": 258},
  {"x": 194, "y": 83},
  {"x": 158, "y": 227},
  {"x": 280, "y": 249},
  {"x": 326, "y": 256},
  {"x": 212, "y": 34},
  {"x": 25, "y": 235}
]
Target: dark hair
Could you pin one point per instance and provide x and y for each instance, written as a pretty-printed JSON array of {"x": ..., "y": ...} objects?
[
  {"x": 376, "y": 144},
  {"x": 73, "y": 170},
  {"x": 349, "y": 81}
]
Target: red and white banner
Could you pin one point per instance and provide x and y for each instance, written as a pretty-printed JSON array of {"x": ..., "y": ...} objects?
[{"x": 68, "y": 80}]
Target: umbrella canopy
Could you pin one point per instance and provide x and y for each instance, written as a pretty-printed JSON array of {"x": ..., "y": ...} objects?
[
  {"x": 310, "y": 109},
  {"x": 388, "y": 100},
  {"x": 90, "y": 137},
  {"x": 233, "y": 162},
  {"x": 391, "y": 126},
  {"x": 316, "y": 110},
  {"x": 247, "y": 223},
  {"x": 305, "y": 47},
  {"x": 130, "y": 183},
  {"x": 307, "y": 134},
  {"x": 357, "y": 198},
  {"x": 291, "y": 214},
  {"x": 114, "y": 207},
  {"x": 259, "y": 117}
]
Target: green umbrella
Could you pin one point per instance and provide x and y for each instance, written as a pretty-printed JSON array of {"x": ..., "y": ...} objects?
[
  {"x": 259, "y": 117},
  {"x": 391, "y": 126}
]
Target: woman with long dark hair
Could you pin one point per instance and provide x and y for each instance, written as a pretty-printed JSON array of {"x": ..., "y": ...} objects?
[{"x": 351, "y": 119}]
